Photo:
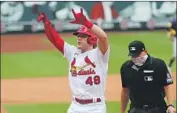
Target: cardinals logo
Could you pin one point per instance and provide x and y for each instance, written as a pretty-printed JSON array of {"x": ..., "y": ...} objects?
[{"x": 80, "y": 69}]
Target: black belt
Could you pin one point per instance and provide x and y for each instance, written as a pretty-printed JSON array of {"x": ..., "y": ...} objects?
[{"x": 146, "y": 106}]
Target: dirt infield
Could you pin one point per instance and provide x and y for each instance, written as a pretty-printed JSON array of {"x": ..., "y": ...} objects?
[
  {"x": 41, "y": 90},
  {"x": 54, "y": 89},
  {"x": 26, "y": 43}
]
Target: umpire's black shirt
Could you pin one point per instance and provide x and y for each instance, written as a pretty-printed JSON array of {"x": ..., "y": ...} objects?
[{"x": 146, "y": 83}]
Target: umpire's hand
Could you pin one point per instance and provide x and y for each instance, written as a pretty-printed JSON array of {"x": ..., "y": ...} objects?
[{"x": 171, "y": 109}]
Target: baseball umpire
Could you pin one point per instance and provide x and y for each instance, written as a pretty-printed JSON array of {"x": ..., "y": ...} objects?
[{"x": 145, "y": 81}]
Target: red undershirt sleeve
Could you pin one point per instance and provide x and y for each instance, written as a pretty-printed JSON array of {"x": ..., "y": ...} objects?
[{"x": 54, "y": 37}]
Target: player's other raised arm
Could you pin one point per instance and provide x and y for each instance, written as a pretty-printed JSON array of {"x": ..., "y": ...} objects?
[
  {"x": 51, "y": 33},
  {"x": 102, "y": 38},
  {"x": 80, "y": 18}
]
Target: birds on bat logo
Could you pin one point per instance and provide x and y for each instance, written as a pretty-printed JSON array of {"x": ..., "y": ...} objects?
[{"x": 79, "y": 70}]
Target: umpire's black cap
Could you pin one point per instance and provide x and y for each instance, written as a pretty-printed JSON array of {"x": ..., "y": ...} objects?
[{"x": 135, "y": 48}]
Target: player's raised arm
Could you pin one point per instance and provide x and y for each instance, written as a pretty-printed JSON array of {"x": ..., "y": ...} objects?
[
  {"x": 102, "y": 36},
  {"x": 80, "y": 18},
  {"x": 51, "y": 33}
]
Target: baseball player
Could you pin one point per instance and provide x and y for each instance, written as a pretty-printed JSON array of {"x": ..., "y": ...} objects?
[
  {"x": 172, "y": 35},
  {"x": 88, "y": 63}
]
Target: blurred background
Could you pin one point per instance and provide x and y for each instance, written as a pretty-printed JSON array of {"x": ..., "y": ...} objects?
[
  {"x": 34, "y": 73},
  {"x": 21, "y": 16}
]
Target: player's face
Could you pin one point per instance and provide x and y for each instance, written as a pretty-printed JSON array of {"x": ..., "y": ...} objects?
[{"x": 82, "y": 42}]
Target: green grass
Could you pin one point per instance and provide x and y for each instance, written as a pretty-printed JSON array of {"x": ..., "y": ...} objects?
[
  {"x": 52, "y": 63},
  {"x": 33, "y": 64},
  {"x": 112, "y": 107}
]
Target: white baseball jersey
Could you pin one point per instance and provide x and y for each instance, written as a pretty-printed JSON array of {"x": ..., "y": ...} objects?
[{"x": 87, "y": 71}]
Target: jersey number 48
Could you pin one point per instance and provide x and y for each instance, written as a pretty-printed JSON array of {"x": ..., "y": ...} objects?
[{"x": 93, "y": 80}]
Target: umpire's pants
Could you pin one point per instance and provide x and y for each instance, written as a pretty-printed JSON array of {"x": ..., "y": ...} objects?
[{"x": 149, "y": 110}]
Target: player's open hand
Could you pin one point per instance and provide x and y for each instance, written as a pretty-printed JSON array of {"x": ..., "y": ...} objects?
[
  {"x": 41, "y": 16},
  {"x": 80, "y": 18}
]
